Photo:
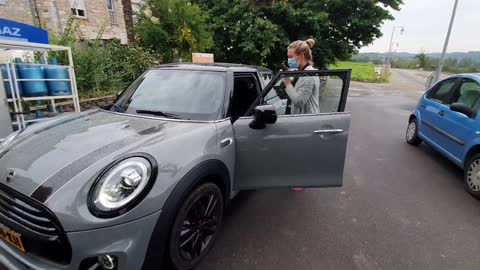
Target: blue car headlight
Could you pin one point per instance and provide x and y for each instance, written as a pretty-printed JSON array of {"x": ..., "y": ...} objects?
[{"x": 122, "y": 185}]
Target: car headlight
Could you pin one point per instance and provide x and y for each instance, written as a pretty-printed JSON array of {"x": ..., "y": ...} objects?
[
  {"x": 5, "y": 142},
  {"x": 122, "y": 185}
]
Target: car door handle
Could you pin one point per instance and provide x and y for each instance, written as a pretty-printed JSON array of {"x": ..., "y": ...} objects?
[
  {"x": 226, "y": 142},
  {"x": 423, "y": 106},
  {"x": 328, "y": 131},
  {"x": 441, "y": 113}
]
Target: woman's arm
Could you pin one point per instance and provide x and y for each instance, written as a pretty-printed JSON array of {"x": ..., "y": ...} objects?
[{"x": 301, "y": 92}]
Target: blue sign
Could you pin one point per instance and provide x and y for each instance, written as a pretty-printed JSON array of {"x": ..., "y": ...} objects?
[{"x": 22, "y": 32}]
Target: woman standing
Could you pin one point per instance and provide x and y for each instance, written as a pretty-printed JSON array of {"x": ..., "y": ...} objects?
[{"x": 305, "y": 94}]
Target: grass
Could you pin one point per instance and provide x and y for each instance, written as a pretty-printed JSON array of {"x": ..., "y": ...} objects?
[{"x": 361, "y": 72}]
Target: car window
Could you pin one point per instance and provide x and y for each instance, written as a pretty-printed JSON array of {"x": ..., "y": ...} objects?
[
  {"x": 442, "y": 91},
  {"x": 266, "y": 77},
  {"x": 245, "y": 91},
  {"x": 185, "y": 94},
  {"x": 326, "y": 96},
  {"x": 469, "y": 94}
]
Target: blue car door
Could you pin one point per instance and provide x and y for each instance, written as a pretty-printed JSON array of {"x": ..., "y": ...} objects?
[
  {"x": 429, "y": 109},
  {"x": 456, "y": 128}
]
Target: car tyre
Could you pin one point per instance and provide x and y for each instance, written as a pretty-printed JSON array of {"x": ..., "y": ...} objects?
[
  {"x": 196, "y": 226},
  {"x": 472, "y": 176},
  {"x": 412, "y": 133}
]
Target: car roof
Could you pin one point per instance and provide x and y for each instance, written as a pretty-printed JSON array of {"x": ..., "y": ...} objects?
[
  {"x": 213, "y": 67},
  {"x": 473, "y": 76}
]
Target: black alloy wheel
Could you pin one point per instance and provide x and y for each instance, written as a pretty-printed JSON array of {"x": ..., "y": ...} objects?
[{"x": 196, "y": 226}]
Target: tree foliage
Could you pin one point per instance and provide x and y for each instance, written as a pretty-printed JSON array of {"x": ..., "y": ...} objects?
[
  {"x": 423, "y": 59},
  {"x": 174, "y": 28},
  {"x": 259, "y": 31},
  {"x": 239, "y": 33}
]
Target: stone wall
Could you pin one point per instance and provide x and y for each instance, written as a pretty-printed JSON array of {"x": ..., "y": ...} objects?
[
  {"x": 55, "y": 13},
  {"x": 17, "y": 10},
  {"x": 93, "y": 103},
  {"x": 85, "y": 104}
]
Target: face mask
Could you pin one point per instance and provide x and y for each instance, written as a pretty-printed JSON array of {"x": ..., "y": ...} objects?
[{"x": 292, "y": 63}]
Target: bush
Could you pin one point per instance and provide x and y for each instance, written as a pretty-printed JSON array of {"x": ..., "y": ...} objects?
[
  {"x": 129, "y": 61},
  {"x": 102, "y": 67},
  {"x": 105, "y": 68}
]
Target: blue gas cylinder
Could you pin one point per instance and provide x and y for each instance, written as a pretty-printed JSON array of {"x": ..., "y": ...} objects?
[
  {"x": 6, "y": 81},
  {"x": 53, "y": 71},
  {"x": 32, "y": 88}
]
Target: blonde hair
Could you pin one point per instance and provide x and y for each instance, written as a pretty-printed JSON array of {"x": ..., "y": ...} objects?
[{"x": 304, "y": 47}]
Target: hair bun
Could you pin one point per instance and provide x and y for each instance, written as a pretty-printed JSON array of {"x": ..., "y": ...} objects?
[{"x": 310, "y": 42}]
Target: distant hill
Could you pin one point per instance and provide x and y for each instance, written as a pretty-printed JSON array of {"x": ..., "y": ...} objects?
[
  {"x": 474, "y": 56},
  {"x": 455, "y": 62}
]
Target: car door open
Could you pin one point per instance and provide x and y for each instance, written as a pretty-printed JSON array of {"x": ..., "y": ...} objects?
[{"x": 297, "y": 150}]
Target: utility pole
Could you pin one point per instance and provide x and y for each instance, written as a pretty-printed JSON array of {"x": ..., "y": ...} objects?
[
  {"x": 445, "y": 46},
  {"x": 388, "y": 60}
]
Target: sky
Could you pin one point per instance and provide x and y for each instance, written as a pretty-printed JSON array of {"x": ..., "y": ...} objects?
[{"x": 426, "y": 24}]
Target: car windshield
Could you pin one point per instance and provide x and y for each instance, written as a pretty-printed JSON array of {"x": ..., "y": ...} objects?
[{"x": 180, "y": 94}]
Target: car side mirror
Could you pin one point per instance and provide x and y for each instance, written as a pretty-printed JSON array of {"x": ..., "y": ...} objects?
[
  {"x": 263, "y": 115},
  {"x": 464, "y": 109}
]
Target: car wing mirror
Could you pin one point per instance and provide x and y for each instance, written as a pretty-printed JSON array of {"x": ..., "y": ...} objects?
[
  {"x": 263, "y": 115},
  {"x": 463, "y": 109}
]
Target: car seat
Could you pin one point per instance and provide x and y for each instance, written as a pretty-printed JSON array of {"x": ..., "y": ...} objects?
[{"x": 244, "y": 94}]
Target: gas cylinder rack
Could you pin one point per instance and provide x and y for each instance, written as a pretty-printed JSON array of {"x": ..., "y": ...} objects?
[{"x": 13, "y": 81}]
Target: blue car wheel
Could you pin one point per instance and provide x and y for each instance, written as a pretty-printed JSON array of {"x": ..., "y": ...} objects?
[
  {"x": 412, "y": 133},
  {"x": 472, "y": 176}
]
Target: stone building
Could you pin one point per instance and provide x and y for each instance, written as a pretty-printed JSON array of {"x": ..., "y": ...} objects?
[{"x": 90, "y": 15}]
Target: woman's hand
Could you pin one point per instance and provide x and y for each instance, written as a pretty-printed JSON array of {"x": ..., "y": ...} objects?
[{"x": 287, "y": 81}]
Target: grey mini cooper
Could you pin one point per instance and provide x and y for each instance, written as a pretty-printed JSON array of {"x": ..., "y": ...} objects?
[{"x": 143, "y": 184}]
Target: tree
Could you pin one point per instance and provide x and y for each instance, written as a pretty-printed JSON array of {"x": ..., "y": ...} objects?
[
  {"x": 340, "y": 27},
  {"x": 173, "y": 28},
  {"x": 466, "y": 63},
  {"x": 241, "y": 34},
  {"x": 259, "y": 31},
  {"x": 423, "y": 60},
  {"x": 450, "y": 63},
  {"x": 128, "y": 17}
]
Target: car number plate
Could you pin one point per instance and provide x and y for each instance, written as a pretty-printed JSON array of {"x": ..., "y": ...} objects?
[{"x": 11, "y": 237}]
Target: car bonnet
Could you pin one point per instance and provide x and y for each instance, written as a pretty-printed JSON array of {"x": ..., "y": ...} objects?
[{"x": 42, "y": 160}]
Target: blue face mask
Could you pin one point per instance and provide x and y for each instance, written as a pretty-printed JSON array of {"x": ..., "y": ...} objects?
[{"x": 292, "y": 63}]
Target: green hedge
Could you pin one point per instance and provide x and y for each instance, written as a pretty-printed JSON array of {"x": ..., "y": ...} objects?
[{"x": 102, "y": 67}]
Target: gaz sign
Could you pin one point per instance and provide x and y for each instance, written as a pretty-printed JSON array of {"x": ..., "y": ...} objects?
[
  {"x": 22, "y": 32},
  {"x": 11, "y": 31}
]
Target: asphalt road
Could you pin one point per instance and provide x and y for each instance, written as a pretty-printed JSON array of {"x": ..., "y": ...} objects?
[{"x": 401, "y": 207}]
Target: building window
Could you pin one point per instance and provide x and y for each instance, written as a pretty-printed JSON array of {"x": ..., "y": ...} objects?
[
  {"x": 111, "y": 12},
  {"x": 78, "y": 8}
]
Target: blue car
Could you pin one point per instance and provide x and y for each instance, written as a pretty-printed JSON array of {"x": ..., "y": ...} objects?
[{"x": 447, "y": 118}]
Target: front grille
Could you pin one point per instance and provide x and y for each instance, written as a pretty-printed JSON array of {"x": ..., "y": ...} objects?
[{"x": 41, "y": 231}]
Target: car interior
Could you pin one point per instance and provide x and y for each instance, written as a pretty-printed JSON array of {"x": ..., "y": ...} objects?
[
  {"x": 470, "y": 95},
  {"x": 245, "y": 91}
]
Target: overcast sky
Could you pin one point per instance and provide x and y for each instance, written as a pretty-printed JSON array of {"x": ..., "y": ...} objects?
[{"x": 426, "y": 24}]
